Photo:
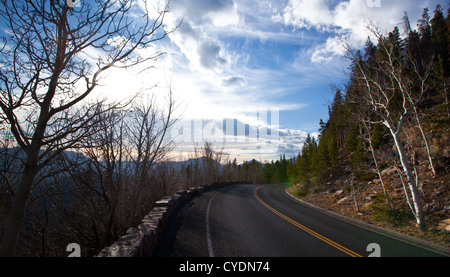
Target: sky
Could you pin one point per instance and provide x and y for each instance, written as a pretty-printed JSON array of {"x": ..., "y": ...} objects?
[
  {"x": 262, "y": 66},
  {"x": 255, "y": 76}
]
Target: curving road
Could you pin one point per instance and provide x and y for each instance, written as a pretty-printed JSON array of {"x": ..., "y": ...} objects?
[{"x": 263, "y": 221}]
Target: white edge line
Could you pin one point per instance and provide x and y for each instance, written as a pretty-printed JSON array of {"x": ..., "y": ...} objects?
[{"x": 208, "y": 235}]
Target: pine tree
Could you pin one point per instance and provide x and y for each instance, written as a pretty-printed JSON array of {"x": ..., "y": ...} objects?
[
  {"x": 337, "y": 121},
  {"x": 354, "y": 147},
  {"x": 412, "y": 47},
  {"x": 333, "y": 150},
  {"x": 352, "y": 140},
  {"x": 321, "y": 162},
  {"x": 448, "y": 33},
  {"x": 378, "y": 135},
  {"x": 439, "y": 37},
  {"x": 306, "y": 162},
  {"x": 424, "y": 29},
  {"x": 441, "y": 69},
  {"x": 322, "y": 128}
]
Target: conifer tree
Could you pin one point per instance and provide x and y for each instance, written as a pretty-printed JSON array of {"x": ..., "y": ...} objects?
[
  {"x": 378, "y": 135},
  {"x": 440, "y": 39}
]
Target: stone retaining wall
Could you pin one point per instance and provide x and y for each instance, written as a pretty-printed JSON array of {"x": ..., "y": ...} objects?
[{"x": 140, "y": 241}]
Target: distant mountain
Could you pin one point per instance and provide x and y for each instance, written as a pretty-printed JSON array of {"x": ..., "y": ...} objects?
[
  {"x": 179, "y": 165},
  {"x": 11, "y": 161}
]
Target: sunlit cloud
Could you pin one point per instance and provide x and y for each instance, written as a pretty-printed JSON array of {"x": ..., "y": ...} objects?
[
  {"x": 348, "y": 20},
  {"x": 233, "y": 58}
]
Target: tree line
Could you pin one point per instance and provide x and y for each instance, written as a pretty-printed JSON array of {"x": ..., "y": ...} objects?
[
  {"x": 391, "y": 113},
  {"x": 209, "y": 163}
]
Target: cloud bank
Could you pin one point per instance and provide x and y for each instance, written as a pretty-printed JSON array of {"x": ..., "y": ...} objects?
[{"x": 229, "y": 58}]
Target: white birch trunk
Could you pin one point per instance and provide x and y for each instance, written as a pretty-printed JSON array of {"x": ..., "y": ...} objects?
[{"x": 415, "y": 194}]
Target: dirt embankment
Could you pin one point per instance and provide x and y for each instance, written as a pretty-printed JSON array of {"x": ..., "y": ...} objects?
[{"x": 383, "y": 203}]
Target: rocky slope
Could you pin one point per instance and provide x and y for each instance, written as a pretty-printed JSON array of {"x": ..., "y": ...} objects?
[{"x": 366, "y": 201}]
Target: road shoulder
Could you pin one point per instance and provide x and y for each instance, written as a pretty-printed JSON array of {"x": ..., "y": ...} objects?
[{"x": 440, "y": 249}]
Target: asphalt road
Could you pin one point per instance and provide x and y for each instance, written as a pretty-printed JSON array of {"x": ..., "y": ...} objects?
[{"x": 263, "y": 221}]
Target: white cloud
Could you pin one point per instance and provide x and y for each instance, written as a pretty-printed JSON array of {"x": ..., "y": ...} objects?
[
  {"x": 307, "y": 14},
  {"x": 245, "y": 140},
  {"x": 225, "y": 17},
  {"x": 200, "y": 10},
  {"x": 291, "y": 141},
  {"x": 234, "y": 81},
  {"x": 347, "y": 20},
  {"x": 211, "y": 71},
  {"x": 210, "y": 55},
  {"x": 210, "y": 78},
  {"x": 328, "y": 51}
]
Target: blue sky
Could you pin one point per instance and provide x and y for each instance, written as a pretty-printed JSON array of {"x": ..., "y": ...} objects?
[
  {"x": 233, "y": 58},
  {"x": 239, "y": 59}
]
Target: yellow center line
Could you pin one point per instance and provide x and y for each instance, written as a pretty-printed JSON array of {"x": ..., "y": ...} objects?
[{"x": 295, "y": 223}]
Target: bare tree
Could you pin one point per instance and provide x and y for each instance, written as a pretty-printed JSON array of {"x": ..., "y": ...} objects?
[
  {"x": 417, "y": 84},
  {"x": 195, "y": 169},
  {"x": 369, "y": 138},
  {"x": 105, "y": 179},
  {"x": 52, "y": 59},
  {"x": 211, "y": 162},
  {"x": 387, "y": 93},
  {"x": 147, "y": 129},
  {"x": 366, "y": 120},
  {"x": 147, "y": 126}
]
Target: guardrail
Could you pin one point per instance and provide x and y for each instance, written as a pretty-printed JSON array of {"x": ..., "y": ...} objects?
[{"x": 140, "y": 241}]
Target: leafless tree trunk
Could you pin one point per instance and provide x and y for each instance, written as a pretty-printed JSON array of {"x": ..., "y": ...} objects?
[
  {"x": 377, "y": 168},
  {"x": 211, "y": 162},
  {"x": 421, "y": 71},
  {"x": 385, "y": 83},
  {"x": 48, "y": 70},
  {"x": 147, "y": 126}
]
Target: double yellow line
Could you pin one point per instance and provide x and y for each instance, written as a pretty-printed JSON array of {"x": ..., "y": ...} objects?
[{"x": 309, "y": 231}]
